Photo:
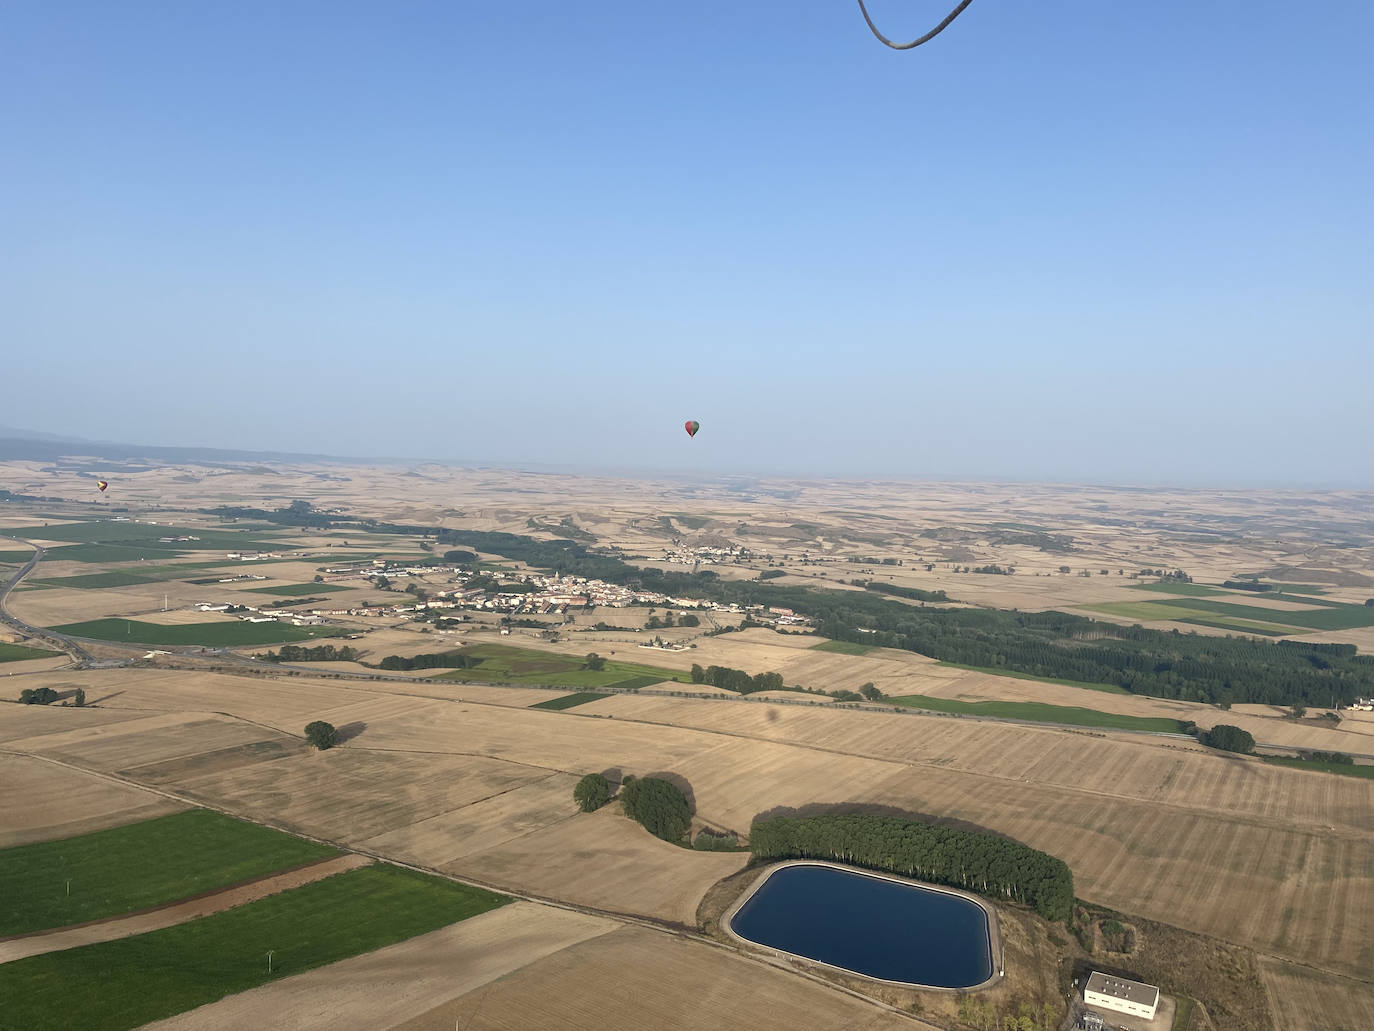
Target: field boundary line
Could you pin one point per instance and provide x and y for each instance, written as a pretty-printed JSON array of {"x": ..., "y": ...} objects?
[{"x": 661, "y": 927}]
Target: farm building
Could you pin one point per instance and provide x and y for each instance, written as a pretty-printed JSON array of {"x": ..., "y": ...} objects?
[{"x": 1116, "y": 993}]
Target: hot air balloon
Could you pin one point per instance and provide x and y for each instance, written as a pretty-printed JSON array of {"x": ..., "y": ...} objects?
[
  {"x": 691, "y": 426},
  {"x": 102, "y": 484}
]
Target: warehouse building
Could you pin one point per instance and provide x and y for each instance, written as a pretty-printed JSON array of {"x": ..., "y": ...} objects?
[{"x": 1116, "y": 993}]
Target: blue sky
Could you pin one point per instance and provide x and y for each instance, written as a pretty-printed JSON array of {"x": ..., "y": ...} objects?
[{"x": 1073, "y": 241}]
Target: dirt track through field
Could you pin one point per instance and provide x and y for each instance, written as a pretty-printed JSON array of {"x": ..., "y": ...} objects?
[{"x": 176, "y": 913}]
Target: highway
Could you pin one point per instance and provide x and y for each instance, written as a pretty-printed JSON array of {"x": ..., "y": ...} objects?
[{"x": 60, "y": 641}]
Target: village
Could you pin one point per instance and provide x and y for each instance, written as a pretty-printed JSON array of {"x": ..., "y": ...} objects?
[{"x": 524, "y": 594}]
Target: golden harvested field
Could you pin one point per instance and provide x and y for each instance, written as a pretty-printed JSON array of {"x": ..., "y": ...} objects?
[
  {"x": 41, "y": 801},
  {"x": 1313, "y": 1000},
  {"x": 467, "y": 780},
  {"x": 394, "y": 985},
  {"x": 1267, "y": 723},
  {"x": 1141, "y": 824},
  {"x": 18, "y": 721},
  {"x": 604, "y": 861},
  {"x": 635, "y": 979}
]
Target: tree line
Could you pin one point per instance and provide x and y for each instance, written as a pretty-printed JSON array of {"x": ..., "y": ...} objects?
[
  {"x": 973, "y": 860},
  {"x": 319, "y": 653},
  {"x": 736, "y": 679},
  {"x": 429, "y": 660},
  {"x": 1164, "y": 664}
]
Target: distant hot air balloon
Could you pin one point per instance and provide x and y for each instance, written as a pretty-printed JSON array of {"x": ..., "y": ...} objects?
[
  {"x": 691, "y": 426},
  {"x": 102, "y": 484}
]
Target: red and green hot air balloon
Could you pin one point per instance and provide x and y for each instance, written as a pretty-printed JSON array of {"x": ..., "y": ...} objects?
[
  {"x": 691, "y": 426},
  {"x": 102, "y": 484}
]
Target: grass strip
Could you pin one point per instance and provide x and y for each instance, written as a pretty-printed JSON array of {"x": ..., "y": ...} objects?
[
  {"x": 1041, "y": 712},
  {"x": 1344, "y": 769}
]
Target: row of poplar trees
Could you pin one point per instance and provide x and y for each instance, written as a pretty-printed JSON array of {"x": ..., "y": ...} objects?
[{"x": 978, "y": 862}]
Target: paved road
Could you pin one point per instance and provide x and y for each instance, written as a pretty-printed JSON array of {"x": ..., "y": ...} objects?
[{"x": 38, "y": 633}]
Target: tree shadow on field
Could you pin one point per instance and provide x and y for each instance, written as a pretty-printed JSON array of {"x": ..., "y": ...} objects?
[
  {"x": 350, "y": 730},
  {"x": 877, "y": 809},
  {"x": 615, "y": 775},
  {"x": 103, "y": 698},
  {"x": 682, "y": 784}
]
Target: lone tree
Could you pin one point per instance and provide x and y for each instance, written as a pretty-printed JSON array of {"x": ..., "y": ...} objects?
[
  {"x": 594, "y": 662},
  {"x": 592, "y": 792},
  {"x": 659, "y": 805},
  {"x": 870, "y": 692},
  {"x": 79, "y": 699},
  {"x": 321, "y": 734},
  {"x": 1229, "y": 739}
]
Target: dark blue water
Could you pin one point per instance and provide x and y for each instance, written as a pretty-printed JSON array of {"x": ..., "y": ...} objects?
[{"x": 872, "y": 926}]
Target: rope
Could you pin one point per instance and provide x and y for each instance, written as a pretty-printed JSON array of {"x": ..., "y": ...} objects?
[{"x": 923, "y": 39}]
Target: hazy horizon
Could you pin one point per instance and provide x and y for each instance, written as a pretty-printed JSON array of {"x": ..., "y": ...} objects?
[{"x": 1083, "y": 244}]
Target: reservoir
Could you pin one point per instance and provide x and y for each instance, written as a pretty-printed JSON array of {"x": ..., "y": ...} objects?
[{"x": 869, "y": 924}]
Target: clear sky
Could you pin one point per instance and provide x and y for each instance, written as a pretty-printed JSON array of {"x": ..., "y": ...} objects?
[{"x": 1089, "y": 240}]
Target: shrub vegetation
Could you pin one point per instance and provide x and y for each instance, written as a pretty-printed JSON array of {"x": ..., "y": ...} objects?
[
  {"x": 321, "y": 734},
  {"x": 592, "y": 792},
  {"x": 1228, "y": 739},
  {"x": 659, "y": 805}
]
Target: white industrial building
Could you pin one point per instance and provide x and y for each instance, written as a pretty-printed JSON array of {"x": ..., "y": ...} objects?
[{"x": 1116, "y": 993}]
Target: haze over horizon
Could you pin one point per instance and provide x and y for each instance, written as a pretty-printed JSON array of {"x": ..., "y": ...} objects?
[{"x": 1083, "y": 243}]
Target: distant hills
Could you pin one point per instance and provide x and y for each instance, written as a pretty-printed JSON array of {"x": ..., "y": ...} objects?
[{"x": 35, "y": 446}]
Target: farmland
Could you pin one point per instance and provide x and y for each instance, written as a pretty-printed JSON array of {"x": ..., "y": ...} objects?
[
  {"x": 301, "y": 590},
  {"x": 22, "y": 653},
  {"x": 568, "y": 701},
  {"x": 1038, "y": 711},
  {"x": 447, "y": 770},
  {"x": 843, "y": 647},
  {"x": 117, "y": 578},
  {"x": 196, "y": 851},
  {"x": 216, "y": 635},
  {"x": 130, "y": 981},
  {"x": 502, "y": 664}
]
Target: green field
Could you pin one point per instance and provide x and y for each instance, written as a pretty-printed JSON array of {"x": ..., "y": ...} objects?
[
  {"x": 109, "y": 553},
  {"x": 842, "y": 647},
  {"x": 148, "y": 534},
  {"x": 1328, "y": 616},
  {"x": 20, "y": 652},
  {"x": 1343, "y": 769},
  {"x": 132, "y": 981},
  {"x": 503, "y": 664},
  {"x": 300, "y": 590},
  {"x": 1043, "y": 713},
  {"x": 114, "y": 578},
  {"x": 16, "y": 558},
  {"x": 209, "y": 635},
  {"x": 138, "y": 866},
  {"x": 1186, "y": 610},
  {"x": 570, "y": 700},
  {"x": 1192, "y": 590},
  {"x": 1000, "y": 672}
]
